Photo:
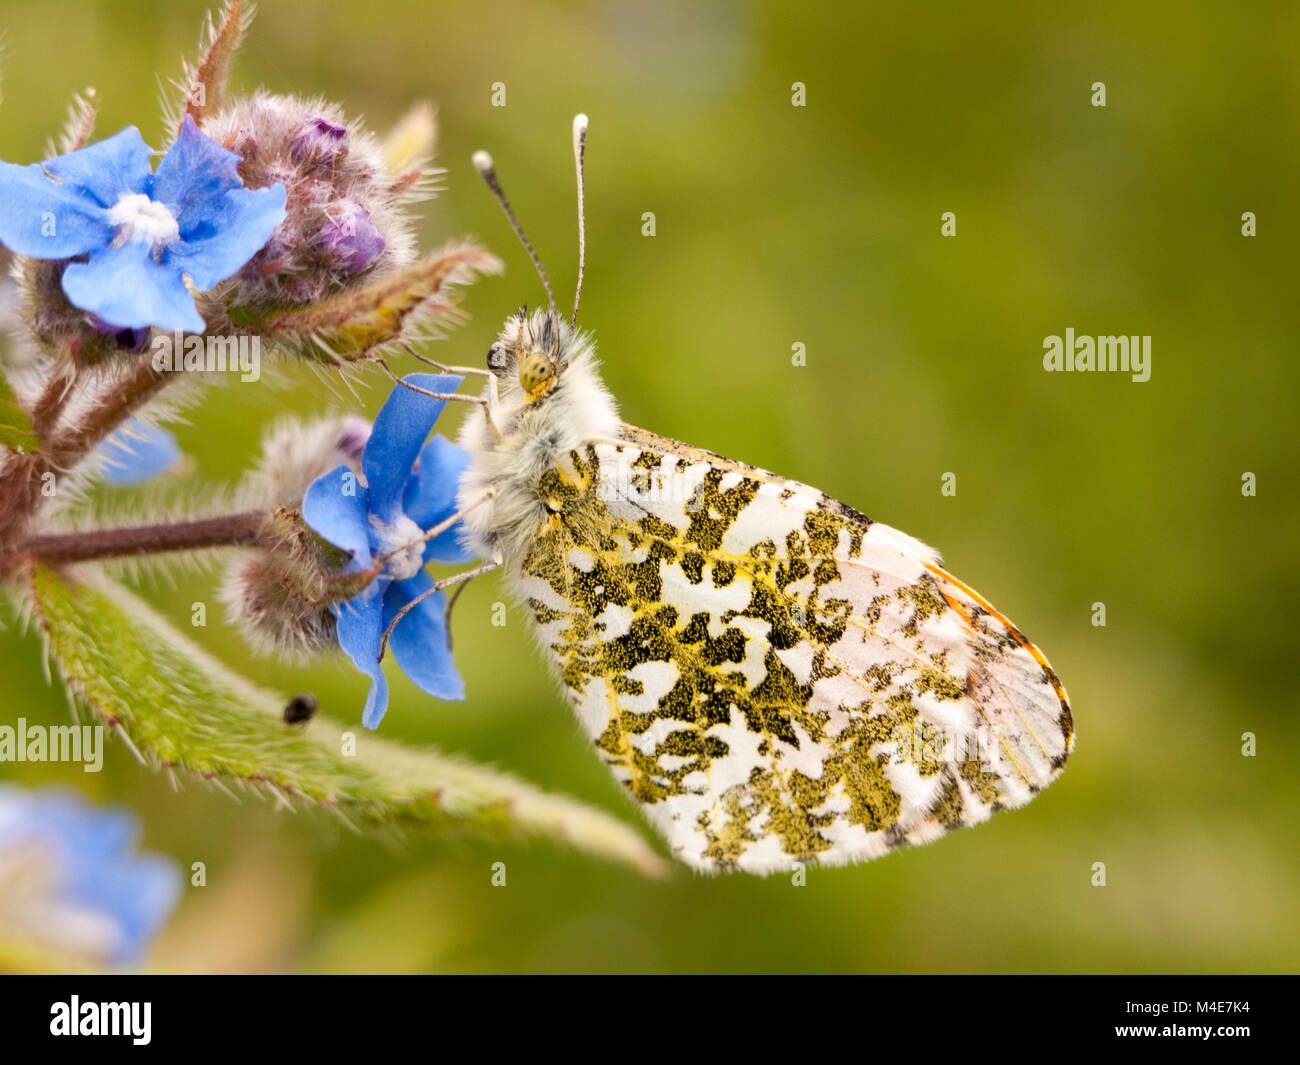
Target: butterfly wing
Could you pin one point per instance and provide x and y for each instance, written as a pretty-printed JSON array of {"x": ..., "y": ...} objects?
[{"x": 773, "y": 676}]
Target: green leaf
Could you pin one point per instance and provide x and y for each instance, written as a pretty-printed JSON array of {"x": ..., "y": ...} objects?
[
  {"x": 182, "y": 709},
  {"x": 15, "y": 427}
]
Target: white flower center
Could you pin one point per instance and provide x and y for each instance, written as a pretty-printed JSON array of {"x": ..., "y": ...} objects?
[
  {"x": 404, "y": 539},
  {"x": 139, "y": 218}
]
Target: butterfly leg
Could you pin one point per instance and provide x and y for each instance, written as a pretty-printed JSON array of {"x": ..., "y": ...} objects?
[
  {"x": 464, "y": 371},
  {"x": 445, "y": 396},
  {"x": 447, "y": 582},
  {"x": 438, "y": 529},
  {"x": 488, "y": 401}
]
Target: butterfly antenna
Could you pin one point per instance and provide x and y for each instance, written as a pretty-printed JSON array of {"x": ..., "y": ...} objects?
[
  {"x": 483, "y": 164},
  {"x": 579, "y": 157}
]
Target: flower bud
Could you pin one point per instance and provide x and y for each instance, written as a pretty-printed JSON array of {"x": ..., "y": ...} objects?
[
  {"x": 295, "y": 453},
  {"x": 354, "y": 433},
  {"x": 56, "y": 325},
  {"x": 318, "y": 140},
  {"x": 351, "y": 238},
  {"x": 278, "y": 594},
  {"x": 346, "y": 210}
]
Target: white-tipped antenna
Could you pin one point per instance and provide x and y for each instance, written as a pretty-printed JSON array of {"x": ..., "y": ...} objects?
[
  {"x": 579, "y": 155},
  {"x": 483, "y": 164}
]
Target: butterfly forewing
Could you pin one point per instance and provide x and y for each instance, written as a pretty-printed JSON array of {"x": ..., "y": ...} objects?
[{"x": 774, "y": 677}]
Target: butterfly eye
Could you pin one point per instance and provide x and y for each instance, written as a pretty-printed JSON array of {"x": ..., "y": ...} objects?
[
  {"x": 496, "y": 358},
  {"x": 535, "y": 371}
]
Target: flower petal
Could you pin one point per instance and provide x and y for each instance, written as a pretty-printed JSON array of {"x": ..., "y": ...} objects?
[
  {"x": 400, "y": 428},
  {"x": 193, "y": 179},
  {"x": 137, "y": 453},
  {"x": 360, "y": 627},
  {"x": 46, "y": 220},
  {"x": 430, "y": 497},
  {"x": 420, "y": 642},
  {"x": 335, "y": 506},
  {"x": 91, "y": 834},
  {"x": 139, "y": 892},
  {"x": 247, "y": 220},
  {"x": 126, "y": 288},
  {"x": 95, "y": 867},
  {"x": 108, "y": 169}
]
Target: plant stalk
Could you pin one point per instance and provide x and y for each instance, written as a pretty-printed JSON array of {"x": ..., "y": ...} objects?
[{"x": 225, "y": 531}]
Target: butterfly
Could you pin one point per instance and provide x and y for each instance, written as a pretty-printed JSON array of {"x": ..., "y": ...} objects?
[{"x": 773, "y": 676}]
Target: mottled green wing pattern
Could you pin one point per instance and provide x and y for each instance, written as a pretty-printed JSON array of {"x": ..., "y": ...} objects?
[{"x": 773, "y": 676}]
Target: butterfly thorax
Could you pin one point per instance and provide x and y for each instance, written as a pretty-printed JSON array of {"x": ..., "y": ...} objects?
[{"x": 551, "y": 403}]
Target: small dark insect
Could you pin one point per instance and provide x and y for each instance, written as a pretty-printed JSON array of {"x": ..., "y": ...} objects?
[{"x": 300, "y": 708}]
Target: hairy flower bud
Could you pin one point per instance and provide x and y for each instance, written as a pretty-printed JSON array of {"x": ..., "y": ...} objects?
[
  {"x": 351, "y": 238},
  {"x": 346, "y": 211},
  {"x": 295, "y": 453},
  {"x": 319, "y": 140},
  {"x": 279, "y": 593},
  {"x": 55, "y": 324},
  {"x": 354, "y": 432}
]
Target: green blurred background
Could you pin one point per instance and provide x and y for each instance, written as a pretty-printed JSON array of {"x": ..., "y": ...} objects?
[{"x": 820, "y": 225}]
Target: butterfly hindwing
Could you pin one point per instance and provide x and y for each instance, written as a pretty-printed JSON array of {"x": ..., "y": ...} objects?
[{"x": 773, "y": 676}]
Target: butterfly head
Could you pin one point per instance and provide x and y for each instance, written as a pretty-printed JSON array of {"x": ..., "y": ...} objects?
[{"x": 532, "y": 350}]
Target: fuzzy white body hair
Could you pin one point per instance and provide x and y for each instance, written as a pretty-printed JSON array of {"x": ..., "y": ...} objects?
[{"x": 535, "y": 434}]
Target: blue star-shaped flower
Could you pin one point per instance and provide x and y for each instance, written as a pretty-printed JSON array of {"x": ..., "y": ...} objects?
[
  {"x": 140, "y": 230},
  {"x": 98, "y": 897},
  {"x": 410, "y": 486}
]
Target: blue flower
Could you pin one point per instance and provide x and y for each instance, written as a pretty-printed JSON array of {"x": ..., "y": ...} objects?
[
  {"x": 137, "y": 453},
  {"x": 141, "y": 231},
  {"x": 409, "y": 487},
  {"x": 91, "y": 894}
]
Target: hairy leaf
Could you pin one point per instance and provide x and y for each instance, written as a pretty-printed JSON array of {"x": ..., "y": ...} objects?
[{"x": 180, "y": 708}]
